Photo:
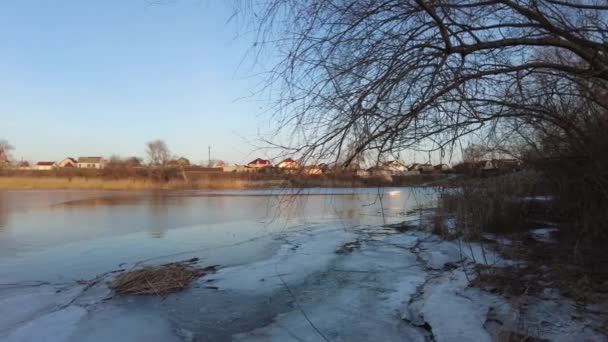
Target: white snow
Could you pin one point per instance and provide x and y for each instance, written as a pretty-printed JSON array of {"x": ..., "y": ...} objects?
[
  {"x": 41, "y": 313},
  {"x": 361, "y": 300},
  {"x": 544, "y": 234},
  {"x": 452, "y": 315},
  {"x": 24, "y": 304},
  {"x": 116, "y": 324},
  {"x": 555, "y": 319},
  {"x": 437, "y": 254},
  {"x": 54, "y": 326},
  {"x": 390, "y": 288},
  {"x": 302, "y": 254}
]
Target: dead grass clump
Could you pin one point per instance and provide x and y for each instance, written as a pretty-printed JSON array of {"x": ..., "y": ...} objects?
[{"x": 159, "y": 280}]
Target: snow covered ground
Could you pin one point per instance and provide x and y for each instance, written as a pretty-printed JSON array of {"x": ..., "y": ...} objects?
[{"x": 324, "y": 284}]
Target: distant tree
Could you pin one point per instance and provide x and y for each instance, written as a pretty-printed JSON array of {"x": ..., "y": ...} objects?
[
  {"x": 159, "y": 157},
  {"x": 5, "y": 149},
  {"x": 183, "y": 161},
  {"x": 478, "y": 152},
  {"x": 158, "y": 153},
  {"x": 133, "y": 162},
  {"x": 473, "y": 153}
]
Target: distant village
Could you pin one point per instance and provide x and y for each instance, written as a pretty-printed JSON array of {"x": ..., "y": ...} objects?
[{"x": 289, "y": 165}]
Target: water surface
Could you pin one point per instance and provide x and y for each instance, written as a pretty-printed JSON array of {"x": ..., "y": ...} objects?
[{"x": 68, "y": 235}]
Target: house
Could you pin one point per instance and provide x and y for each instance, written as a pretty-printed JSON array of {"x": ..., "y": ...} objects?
[
  {"x": 425, "y": 168},
  {"x": 289, "y": 164},
  {"x": 180, "y": 162},
  {"x": 379, "y": 171},
  {"x": 23, "y": 165},
  {"x": 441, "y": 167},
  {"x": 500, "y": 165},
  {"x": 219, "y": 163},
  {"x": 90, "y": 163},
  {"x": 67, "y": 162},
  {"x": 394, "y": 166},
  {"x": 259, "y": 163},
  {"x": 362, "y": 173},
  {"x": 44, "y": 165},
  {"x": 422, "y": 168},
  {"x": 312, "y": 170},
  {"x": 235, "y": 168}
]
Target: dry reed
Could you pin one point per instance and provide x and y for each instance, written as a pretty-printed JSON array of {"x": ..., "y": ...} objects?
[{"x": 159, "y": 280}]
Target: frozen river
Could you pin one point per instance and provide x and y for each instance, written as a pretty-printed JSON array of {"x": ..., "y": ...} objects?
[{"x": 307, "y": 265}]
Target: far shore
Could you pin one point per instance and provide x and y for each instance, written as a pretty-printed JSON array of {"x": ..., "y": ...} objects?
[{"x": 228, "y": 183}]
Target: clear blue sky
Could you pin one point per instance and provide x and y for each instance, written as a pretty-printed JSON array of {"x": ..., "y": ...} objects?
[{"x": 104, "y": 77}]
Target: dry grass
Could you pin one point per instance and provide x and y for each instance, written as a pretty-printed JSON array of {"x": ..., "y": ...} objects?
[
  {"x": 159, "y": 280},
  {"x": 98, "y": 183},
  {"x": 491, "y": 205},
  {"x": 25, "y": 183},
  {"x": 236, "y": 183}
]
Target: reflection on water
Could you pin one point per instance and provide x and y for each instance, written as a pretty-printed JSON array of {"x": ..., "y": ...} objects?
[
  {"x": 78, "y": 234},
  {"x": 158, "y": 209},
  {"x": 3, "y": 213}
]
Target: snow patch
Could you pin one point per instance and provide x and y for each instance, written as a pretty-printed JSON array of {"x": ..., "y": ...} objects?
[
  {"x": 360, "y": 299},
  {"x": 23, "y": 304},
  {"x": 118, "y": 324},
  {"x": 438, "y": 254},
  {"x": 543, "y": 234},
  {"x": 452, "y": 315},
  {"x": 55, "y": 326},
  {"x": 303, "y": 254}
]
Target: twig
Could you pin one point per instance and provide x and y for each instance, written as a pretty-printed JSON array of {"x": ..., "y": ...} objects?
[{"x": 295, "y": 299}]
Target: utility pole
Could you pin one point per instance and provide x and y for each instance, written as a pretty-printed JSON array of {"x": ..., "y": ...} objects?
[{"x": 209, "y": 163}]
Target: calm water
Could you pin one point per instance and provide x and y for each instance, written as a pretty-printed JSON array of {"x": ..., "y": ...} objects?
[
  {"x": 67, "y": 235},
  {"x": 55, "y": 238}
]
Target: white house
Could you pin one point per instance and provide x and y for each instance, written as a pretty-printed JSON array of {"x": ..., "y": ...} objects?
[
  {"x": 44, "y": 165},
  {"x": 90, "y": 163},
  {"x": 67, "y": 162},
  {"x": 394, "y": 166},
  {"x": 289, "y": 164}
]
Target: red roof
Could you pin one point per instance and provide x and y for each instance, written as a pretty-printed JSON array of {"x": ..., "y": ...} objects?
[
  {"x": 45, "y": 163},
  {"x": 260, "y": 161},
  {"x": 288, "y": 160}
]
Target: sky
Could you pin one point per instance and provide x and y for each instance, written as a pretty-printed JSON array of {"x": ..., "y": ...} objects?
[{"x": 87, "y": 78}]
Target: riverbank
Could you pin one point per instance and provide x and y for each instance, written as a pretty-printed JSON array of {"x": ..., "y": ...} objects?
[
  {"x": 82, "y": 183},
  {"x": 325, "y": 283},
  {"x": 228, "y": 182}
]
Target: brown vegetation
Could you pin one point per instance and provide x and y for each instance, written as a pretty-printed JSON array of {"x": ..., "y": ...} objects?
[
  {"x": 508, "y": 205},
  {"x": 137, "y": 179},
  {"x": 159, "y": 280}
]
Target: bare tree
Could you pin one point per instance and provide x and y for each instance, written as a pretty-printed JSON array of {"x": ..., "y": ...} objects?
[
  {"x": 5, "y": 156},
  {"x": 389, "y": 75},
  {"x": 133, "y": 162},
  {"x": 158, "y": 153}
]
